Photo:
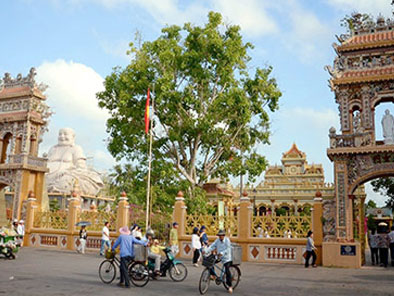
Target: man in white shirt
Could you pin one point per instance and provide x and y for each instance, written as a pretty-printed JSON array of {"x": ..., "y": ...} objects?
[{"x": 105, "y": 240}]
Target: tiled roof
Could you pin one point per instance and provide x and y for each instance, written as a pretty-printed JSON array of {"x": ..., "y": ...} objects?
[
  {"x": 375, "y": 74},
  {"x": 376, "y": 39}
]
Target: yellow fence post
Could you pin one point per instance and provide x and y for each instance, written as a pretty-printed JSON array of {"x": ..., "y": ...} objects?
[
  {"x": 29, "y": 223},
  {"x": 74, "y": 208},
  {"x": 122, "y": 217},
  {"x": 244, "y": 226},
  {"x": 317, "y": 225},
  {"x": 179, "y": 214}
]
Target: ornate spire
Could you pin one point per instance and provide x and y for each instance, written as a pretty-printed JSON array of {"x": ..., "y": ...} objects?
[{"x": 9, "y": 82}]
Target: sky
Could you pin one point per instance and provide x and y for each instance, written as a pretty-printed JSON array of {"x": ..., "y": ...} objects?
[{"x": 75, "y": 44}]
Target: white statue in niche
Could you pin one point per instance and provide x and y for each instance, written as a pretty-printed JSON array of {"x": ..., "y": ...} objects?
[
  {"x": 67, "y": 164},
  {"x": 388, "y": 128}
]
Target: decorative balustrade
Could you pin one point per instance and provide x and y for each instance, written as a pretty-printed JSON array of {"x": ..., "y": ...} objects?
[
  {"x": 352, "y": 140},
  {"x": 212, "y": 223},
  {"x": 24, "y": 159},
  {"x": 97, "y": 219},
  {"x": 271, "y": 226},
  {"x": 50, "y": 220}
]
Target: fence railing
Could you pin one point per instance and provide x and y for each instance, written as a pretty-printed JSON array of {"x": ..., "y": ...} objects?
[
  {"x": 50, "y": 220},
  {"x": 98, "y": 218},
  {"x": 281, "y": 226},
  {"x": 212, "y": 223}
]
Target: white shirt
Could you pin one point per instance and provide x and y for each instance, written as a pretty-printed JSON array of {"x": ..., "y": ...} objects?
[
  {"x": 196, "y": 244},
  {"x": 105, "y": 233},
  {"x": 20, "y": 230}
]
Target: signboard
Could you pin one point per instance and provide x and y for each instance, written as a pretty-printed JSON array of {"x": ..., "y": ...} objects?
[{"x": 347, "y": 250}]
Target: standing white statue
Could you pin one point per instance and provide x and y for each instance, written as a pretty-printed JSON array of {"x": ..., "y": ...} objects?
[
  {"x": 67, "y": 164},
  {"x": 388, "y": 128}
]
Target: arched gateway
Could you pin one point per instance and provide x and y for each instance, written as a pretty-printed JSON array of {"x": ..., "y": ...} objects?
[
  {"x": 362, "y": 78},
  {"x": 23, "y": 115}
]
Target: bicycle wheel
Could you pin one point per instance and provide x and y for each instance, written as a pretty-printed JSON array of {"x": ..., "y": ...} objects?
[
  {"x": 235, "y": 277},
  {"x": 139, "y": 274},
  {"x": 107, "y": 271},
  {"x": 178, "y": 272},
  {"x": 204, "y": 281}
]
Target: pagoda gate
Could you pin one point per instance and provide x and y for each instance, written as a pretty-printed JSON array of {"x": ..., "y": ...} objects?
[
  {"x": 362, "y": 78},
  {"x": 23, "y": 115}
]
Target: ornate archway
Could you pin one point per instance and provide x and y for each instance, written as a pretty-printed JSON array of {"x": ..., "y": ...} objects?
[
  {"x": 23, "y": 115},
  {"x": 362, "y": 78}
]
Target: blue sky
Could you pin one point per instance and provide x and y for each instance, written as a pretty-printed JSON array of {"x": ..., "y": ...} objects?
[{"x": 74, "y": 44}]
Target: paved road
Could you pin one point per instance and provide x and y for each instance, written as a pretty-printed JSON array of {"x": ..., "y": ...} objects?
[{"x": 51, "y": 272}]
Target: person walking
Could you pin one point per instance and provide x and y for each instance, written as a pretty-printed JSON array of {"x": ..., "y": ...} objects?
[
  {"x": 196, "y": 245},
  {"x": 105, "y": 240},
  {"x": 373, "y": 246},
  {"x": 174, "y": 239},
  {"x": 383, "y": 244},
  {"x": 204, "y": 237},
  {"x": 126, "y": 243},
  {"x": 83, "y": 236},
  {"x": 222, "y": 245},
  {"x": 310, "y": 250},
  {"x": 391, "y": 237}
]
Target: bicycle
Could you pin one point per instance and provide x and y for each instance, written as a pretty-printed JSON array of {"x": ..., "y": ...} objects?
[
  {"x": 139, "y": 274},
  {"x": 210, "y": 262}
]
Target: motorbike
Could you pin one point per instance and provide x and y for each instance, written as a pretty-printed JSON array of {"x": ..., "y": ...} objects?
[{"x": 176, "y": 269}]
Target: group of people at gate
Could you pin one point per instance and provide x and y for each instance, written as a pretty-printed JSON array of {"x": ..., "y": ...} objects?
[{"x": 381, "y": 244}]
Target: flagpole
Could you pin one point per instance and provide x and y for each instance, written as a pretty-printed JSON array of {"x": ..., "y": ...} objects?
[{"x": 149, "y": 169}]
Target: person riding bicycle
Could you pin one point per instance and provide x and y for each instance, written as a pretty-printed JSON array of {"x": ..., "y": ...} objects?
[
  {"x": 126, "y": 243},
  {"x": 222, "y": 245}
]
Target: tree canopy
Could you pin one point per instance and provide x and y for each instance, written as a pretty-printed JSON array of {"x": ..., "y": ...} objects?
[
  {"x": 211, "y": 107},
  {"x": 385, "y": 186}
]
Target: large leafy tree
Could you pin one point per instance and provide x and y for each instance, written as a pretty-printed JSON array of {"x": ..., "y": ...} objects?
[
  {"x": 385, "y": 186},
  {"x": 211, "y": 106}
]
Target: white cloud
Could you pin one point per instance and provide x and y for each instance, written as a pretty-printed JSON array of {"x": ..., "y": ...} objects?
[
  {"x": 72, "y": 96},
  {"x": 307, "y": 37},
  {"x": 251, "y": 15},
  {"x": 72, "y": 89},
  {"x": 374, "y": 7},
  {"x": 372, "y": 195}
]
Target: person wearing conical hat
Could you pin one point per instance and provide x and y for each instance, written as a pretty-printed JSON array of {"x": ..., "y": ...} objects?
[{"x": 126, "y": 243}]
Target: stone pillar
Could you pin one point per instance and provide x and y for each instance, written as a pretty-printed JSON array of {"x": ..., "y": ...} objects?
[
  {"x": 3, "y": 209},
  {"x": 273, "y": 212},
  {"x": 179, "y": 214},
  {"x": 74, "y": 208},
  {"x": 29, "y": 223},
  {"x": 317, "y": 225},
  {"x": 362, "y": 228},
  {"x": 296, "y": 207},
  {"x": 122, "y": 218},
  {"x": 244, "y": 224}
]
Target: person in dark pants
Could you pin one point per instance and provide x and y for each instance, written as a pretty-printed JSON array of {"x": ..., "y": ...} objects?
[
  {"x": 223, "y": 247},
  {"x": 373, "y": 245},
  {"x": 126, "y": 242},
  {"x": 383, "y": 244},
  {"x": 196, "y": 245},
  {"x": 391, "y": 237},
  {"x": 310, "y": 250}
]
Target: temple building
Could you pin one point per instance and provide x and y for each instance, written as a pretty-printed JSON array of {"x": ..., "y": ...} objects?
[{"x": 290, "y": 188}]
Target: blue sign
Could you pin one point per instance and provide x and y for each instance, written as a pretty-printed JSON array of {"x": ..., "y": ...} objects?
[{"x": 347, "y": 250}]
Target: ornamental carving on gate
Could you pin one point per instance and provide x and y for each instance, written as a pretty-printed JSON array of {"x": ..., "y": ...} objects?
[{"x": 361, "y": 166}]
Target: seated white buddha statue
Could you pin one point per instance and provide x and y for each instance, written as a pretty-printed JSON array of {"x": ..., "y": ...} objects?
[{"x": 67, "y": 165}]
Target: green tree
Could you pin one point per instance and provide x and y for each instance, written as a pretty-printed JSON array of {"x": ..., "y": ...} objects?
[
  {"x": 371, "y": 204},
  {"x": 54, "y": 205},
  {"x": 385, "y": 186},
  {"x": 211, "y": 111}
]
